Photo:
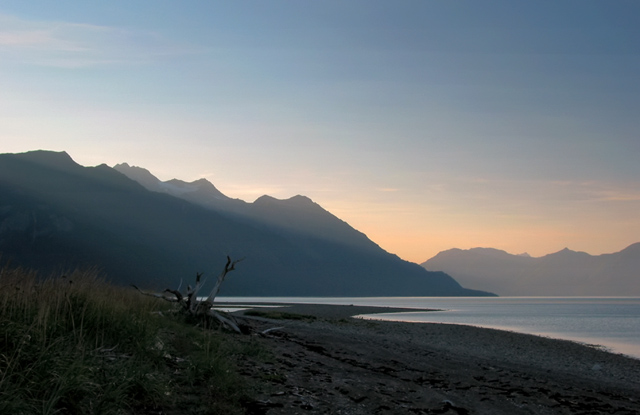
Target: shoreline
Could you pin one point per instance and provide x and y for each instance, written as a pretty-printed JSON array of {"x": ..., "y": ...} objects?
[
  {"x": 335, "y": 363},
  {"x": 628, "y": 346},
  {"x": 591, "y": 343}
]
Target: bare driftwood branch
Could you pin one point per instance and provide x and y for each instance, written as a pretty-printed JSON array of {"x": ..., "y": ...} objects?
[
  {"x": 192, "y": 293},
  {"x": 200, "y": 308},
  {"x": 227, "y": 322},
  {"x": 177, "y": 293},
  {"x": 156, "y": 295},
  {"x": 267, "y": 331},
  {"x": 229, "y": 266}
]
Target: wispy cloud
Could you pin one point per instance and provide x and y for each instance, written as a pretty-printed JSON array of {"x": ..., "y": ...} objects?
[
  {"x": 586, "y": 191},
  {"x": 532, "y": 199},
  {"x": 612, "y": 192},
  {"x": 65, "y": 44}
]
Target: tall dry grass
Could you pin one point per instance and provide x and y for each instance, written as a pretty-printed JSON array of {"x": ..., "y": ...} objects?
[{"x": 75, "y": 344}]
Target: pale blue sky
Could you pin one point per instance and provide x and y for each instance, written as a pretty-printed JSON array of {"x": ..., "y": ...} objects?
[{"x": 425, "y": 124}]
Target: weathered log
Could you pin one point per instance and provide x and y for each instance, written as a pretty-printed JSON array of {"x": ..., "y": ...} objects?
[
  {"x": 227, "y": 322},
  {"x": 157, "y": 295},
  {"x": 229, "y": 266},
  {"x": 200, "y": 308}
]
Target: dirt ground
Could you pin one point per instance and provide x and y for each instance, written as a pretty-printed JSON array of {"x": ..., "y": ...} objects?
[{"x": 336, "y": 364}]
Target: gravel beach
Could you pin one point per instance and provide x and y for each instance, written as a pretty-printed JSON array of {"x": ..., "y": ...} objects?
[{"x": 333, "y": 363}]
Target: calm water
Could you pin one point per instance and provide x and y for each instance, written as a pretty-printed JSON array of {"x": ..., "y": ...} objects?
[{"x": 612, "y": 322}]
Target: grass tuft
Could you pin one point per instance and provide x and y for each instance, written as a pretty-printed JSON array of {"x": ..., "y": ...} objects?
[{"x": 75, "y": 344}]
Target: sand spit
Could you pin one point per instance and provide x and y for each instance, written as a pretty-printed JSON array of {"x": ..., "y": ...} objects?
[{"x": 336, "y": 364}]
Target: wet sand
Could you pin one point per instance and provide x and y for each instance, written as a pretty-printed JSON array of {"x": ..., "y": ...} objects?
[{"x": 337, "y": 364}]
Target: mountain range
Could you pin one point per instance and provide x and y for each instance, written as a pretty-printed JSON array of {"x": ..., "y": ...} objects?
[
  {"x": 564, "y": 273},
  {"x": 56, "y": 215},
  {"x": 298, "y": 214}
]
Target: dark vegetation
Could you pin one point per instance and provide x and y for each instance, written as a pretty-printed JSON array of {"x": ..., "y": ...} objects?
[{"x": 77, "y": 345}]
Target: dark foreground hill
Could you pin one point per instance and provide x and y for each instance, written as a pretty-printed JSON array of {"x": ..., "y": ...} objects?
[
  {"x": 562, "y": 273},
  {"x": 56, "y": 214}
]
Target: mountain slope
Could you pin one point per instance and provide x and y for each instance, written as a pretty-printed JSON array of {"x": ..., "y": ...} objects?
[
  {"x": 56, "y": 214},
  {"x": 565, "y": 272},
  {"x": 200, "y": 192},
  {"x": 298, "y": 214}
]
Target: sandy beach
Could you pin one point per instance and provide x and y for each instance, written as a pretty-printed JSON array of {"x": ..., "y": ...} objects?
[{"x": 337, "y": 364}]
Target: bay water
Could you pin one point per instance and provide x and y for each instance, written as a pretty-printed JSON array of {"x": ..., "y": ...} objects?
[{"x": 612, "y": 323}]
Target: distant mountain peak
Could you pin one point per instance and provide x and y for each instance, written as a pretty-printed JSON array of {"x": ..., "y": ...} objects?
[
  {"x": 301, "y": 201},
  {"x": 566, "y": 272},
  {"x": 140, "y": 175},
  {"x": 566, "y": 252},
  {"x": 297, "y": 202},
  {"x": 489, "y": 250},
  {"x": 295, "y": 199},
  {"x": 632, "y": 248},
  {"x": 265, "y": 199},
  {"x": 129, "y": 167},
  {"x": 56, "y": 159},
  {"x": 478, "y": 252},
  {"x": 46, "y": 153},
  {"x": 301, "y": 198},
  {"x": 203, "y": 181}
]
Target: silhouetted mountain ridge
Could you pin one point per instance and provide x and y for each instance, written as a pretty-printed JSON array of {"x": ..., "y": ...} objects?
[
  {"x": 566, "y": 272},
  {"x": 297, "y": 214},
  {"x": 56, "y": 214}
]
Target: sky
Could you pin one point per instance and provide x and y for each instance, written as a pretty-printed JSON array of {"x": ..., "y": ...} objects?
[{"x": 427, "y": 125}]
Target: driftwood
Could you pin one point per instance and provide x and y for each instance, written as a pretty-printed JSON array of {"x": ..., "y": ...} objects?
[{"x": 193, "y": 305}]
